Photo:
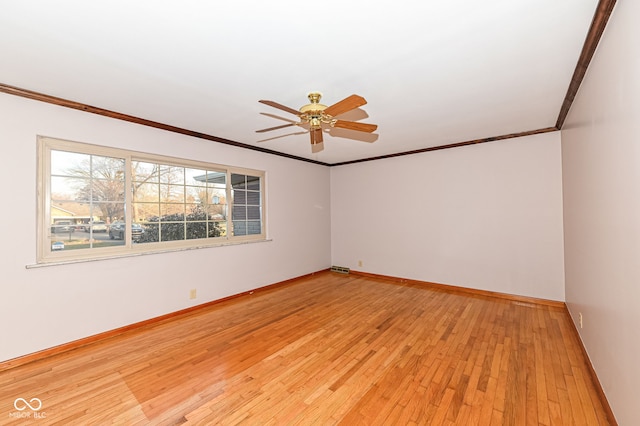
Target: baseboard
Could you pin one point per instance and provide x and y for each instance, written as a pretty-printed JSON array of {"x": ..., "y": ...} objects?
[
  {"x": 466, "y": 290},
  {"x": 603, "y": 398},
  {"x": 66, "y": 347}
]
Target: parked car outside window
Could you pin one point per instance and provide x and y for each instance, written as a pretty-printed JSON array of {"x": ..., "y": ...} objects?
[
  {"x": 99, "y": 226},
  {"x": 61, "y": 226},
  {"x": 117, "y": 231}
]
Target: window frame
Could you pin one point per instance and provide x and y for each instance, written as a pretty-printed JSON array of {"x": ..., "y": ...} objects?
[{"x": 45, "y": 254}]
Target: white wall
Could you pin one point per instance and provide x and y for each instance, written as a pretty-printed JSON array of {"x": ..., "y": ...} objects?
[
  {"x": 48, "y": 306},
  {"x": 485, "y": 216},
  {"x": 601, "y": 168}
]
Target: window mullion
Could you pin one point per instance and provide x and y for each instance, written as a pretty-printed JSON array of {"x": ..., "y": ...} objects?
[
  {"x": 229, "y": 192},
  {"x": 128, "y": 200}
]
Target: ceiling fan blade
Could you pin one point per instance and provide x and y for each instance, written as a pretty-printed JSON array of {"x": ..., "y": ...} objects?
[
  {"x": 276, "y": 128},
  {"x": 317, "y": 147},
  {"x": 316, "y": 136},
  {"x": 353, "y": 125},
  {"x": 288, "y": 120},
  {"x": 347, "y": 104},
  {"x": 280, "y": 106},
  {"x": 282, "y": 136}
]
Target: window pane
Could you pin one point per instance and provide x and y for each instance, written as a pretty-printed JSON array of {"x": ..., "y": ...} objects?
[
  {"x": 216, "y": 179},
  {"x": 66, "y": 188},
  {"x": 253, "y": 198},
  {"x": 253, "y": 183},
  {"x": 172, "y": 193},
  {"x": 239, "y": 228},
  {"x": 171, "y": 174},
  {"x": 189, "y": 198},
  {"x": 196, "y": 230},
  {"x": 151, "y": 232},
  {"x": 107, "y": 168},
  {"x": 144, "y": 172},
  {"x": 217, "y": 229},
  {"x": 217, "y": 212},
  {"x": 144, "y": 212},
  {"x": 239, "y": 197},
  {"x": 195, "y": 177},
  {"x": 195, "y": 213},
  {"x": 172, "y": 231},
  {"x": 146, "y": 192},
  {"x": 105, "y": 190},
  {"x": 253, "y": 227},
  {"x": 238, "y": 181},
  {"x": 196, "y": 194},
  {"x": 61, "y": 161},
  {"x": 75, "y": 238},
  {"x": 253, "y": 212},
  {"x": 239, "y": 212},
  {"x": 108, "y": 212},
  {"x": 246, "y": 210},
  {"x": 87, "y": 193}
]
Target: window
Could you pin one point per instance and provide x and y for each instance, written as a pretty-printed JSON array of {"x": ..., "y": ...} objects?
[
  {"x": 88, "y": 195},
  {"x": 175, "y": 203},
  {"x": 246, "y": 204}
]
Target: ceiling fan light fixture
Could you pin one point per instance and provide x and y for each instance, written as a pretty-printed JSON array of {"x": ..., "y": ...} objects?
[
  {"x": 315, "y": 121},
  {"x": 316, "y": 114}
]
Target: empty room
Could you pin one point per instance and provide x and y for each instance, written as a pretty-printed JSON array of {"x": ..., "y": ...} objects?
[{"x": 348, "y": 213}]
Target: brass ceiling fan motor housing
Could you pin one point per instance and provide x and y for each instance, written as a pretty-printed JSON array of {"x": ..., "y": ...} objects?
[{"x": 313, "y": 112}]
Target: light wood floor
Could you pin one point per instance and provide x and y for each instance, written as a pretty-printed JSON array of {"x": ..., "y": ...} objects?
[{"x": 327, "y": 349}]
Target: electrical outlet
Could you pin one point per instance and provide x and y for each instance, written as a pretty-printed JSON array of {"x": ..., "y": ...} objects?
[
  {"x": 359, "y": 262},
  {"x": 192, "y": 293},
  {"x": 580, "y": 319}
]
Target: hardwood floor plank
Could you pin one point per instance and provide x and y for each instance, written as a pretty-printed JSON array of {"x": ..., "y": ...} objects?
[
  {"x": 541, "y": 383},
  {"x": 326, "y": 349}
]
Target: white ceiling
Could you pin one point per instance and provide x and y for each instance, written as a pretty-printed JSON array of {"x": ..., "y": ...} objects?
[{"x": 433, "y": 72}]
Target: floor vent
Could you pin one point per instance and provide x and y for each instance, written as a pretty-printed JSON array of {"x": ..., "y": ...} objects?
[
  {"x": 340, "y": 269},
  {"x": 526, "y": 305}
]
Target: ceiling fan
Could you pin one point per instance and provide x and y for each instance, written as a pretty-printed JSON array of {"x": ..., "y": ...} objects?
[{"x": 318, "y": 117}]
